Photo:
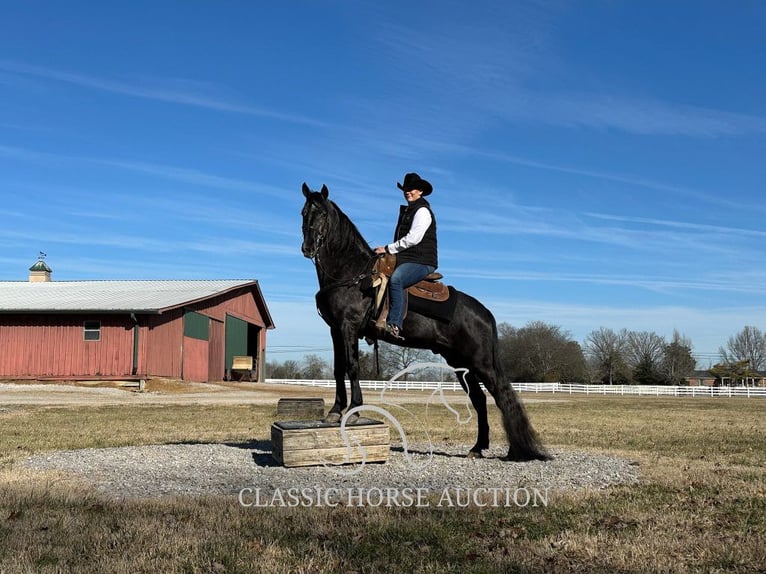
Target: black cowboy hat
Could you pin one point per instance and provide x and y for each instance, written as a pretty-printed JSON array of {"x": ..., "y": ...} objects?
[{"x": 414, "y": 181}]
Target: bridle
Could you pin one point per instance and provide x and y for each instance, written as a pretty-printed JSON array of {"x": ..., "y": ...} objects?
[
  {"x": 318, "y": 240},
  {"x": 336, "y": 282}
]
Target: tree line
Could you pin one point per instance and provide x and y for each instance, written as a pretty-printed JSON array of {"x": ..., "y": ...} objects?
[{"x": 542, "y": 352}]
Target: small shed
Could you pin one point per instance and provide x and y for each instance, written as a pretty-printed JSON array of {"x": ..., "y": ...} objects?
[{"x": 184, "y": 329}]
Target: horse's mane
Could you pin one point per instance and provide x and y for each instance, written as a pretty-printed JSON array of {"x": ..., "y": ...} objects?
[{"x": 347, "y": 232}]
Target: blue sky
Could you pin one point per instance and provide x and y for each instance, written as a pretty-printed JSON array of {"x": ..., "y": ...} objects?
[{"x": 595, "y": 164}]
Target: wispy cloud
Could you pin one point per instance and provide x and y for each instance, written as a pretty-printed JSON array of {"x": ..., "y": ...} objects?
[
  {"x": 498, "y": 77},
  {"x": 136, "y": 242},
  {"x": 174, "y": 173},
  {"x": 182, "y": 92},
  {"x": 690, "y": 226},
  {"x": 605, "y": 175},
  {"x": 674, "y": 240},
  {"x": 655, "y": 284},
  {"x": 25, "y": 154},
  {"x": 185, "y": 175},
  {"x": 640, "y": 116}
]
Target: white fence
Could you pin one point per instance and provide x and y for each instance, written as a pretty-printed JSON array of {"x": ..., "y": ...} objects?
[{"x": 553, "y": 388}]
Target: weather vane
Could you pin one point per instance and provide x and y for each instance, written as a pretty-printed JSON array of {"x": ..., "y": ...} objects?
[{"x": 41, "y": 256}]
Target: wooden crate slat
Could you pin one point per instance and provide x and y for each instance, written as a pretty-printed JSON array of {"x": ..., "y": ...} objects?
[
  {"x": 338, "y": 455},
  {"x": 306, "y": 443}
]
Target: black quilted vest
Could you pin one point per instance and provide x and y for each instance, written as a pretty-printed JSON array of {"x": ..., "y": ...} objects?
[{"x": 424, "y": 252}]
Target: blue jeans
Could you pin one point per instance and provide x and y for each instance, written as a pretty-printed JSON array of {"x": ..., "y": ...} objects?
[{"x": 405, "y": 275}]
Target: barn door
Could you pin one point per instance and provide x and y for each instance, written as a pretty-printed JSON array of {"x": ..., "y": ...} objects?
[
  {"x": 196, "y": 347},
  {"x": 216, "y": 355},
  {"x": 236, "y": 339}
]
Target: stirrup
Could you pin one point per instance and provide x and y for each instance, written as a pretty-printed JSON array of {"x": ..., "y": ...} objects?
[{"x": 393, "y": 332}]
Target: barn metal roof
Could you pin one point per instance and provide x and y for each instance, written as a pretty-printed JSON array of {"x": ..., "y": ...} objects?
[{"x": 110, "y": 296}]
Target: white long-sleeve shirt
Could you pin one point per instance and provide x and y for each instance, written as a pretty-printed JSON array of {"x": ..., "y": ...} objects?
[{"x": 420, "y": 224}]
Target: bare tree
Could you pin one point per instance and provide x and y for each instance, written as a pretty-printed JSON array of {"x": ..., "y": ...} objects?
[
  {"x": 643, "y": 346},
  {"x": 394, "y": 358},
  {"x": 290, "y": 369},
  {"x": 315, "y": 367},
  {"x": 643, "y": 354},
  {"x": 605, "y": 349},
  {"x": 747, "y": 345}
]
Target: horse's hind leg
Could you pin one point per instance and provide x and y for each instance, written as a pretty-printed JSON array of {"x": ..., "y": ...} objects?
[
  {"x": 523, "y": 442},
  {"x": 471, "y": 385}
]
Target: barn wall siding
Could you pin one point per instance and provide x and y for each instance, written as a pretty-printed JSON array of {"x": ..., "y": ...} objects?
[
  {"x": 165, "y": 344},
  {"x": 240, "y": 303},
  {"x": 45, "y": 346}
]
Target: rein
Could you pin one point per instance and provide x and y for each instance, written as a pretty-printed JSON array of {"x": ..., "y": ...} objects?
[{"x": 338, "y": 282}]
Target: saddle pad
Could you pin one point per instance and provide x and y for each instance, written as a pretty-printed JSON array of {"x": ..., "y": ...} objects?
[{"x": 434, "y": 309}]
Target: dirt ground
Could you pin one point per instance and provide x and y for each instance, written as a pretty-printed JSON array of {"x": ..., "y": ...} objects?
[
  {"x": 164, "y": 391},
  {"x": 173, "y": 392},
  {"x": 156, "y": 391}
]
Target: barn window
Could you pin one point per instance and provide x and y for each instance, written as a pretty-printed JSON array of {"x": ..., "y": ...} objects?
[{"x": 91, "y": 330}]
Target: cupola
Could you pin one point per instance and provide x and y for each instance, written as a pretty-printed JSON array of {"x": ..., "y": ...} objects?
[{"x": 40, "y": 272}]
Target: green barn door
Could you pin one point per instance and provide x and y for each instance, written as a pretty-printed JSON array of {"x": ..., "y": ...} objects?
[{"x": 236, "y": 339}]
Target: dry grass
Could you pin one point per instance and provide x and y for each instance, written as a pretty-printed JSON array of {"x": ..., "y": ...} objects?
[{"x": 700, "y": 508}]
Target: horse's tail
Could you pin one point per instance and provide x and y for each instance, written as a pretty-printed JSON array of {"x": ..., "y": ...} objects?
[{"x": 524, "y": 444}]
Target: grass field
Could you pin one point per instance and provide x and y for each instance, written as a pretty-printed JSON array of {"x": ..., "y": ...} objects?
[{"x": 701, "y": 506}]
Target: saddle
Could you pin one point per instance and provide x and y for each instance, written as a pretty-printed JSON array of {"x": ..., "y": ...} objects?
[{"x": 430, "y": 288}]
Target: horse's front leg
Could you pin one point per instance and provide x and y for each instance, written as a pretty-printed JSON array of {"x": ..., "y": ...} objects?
[
  {"x": 339, "y": 370},
  {"x": 352, "y": 367}
]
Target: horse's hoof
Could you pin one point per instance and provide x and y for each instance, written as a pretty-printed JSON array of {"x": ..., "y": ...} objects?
[
  {"x": 332, "y": 418},
  {"x": 475, "y": 454},
  {"x": 352, "y": 419}
]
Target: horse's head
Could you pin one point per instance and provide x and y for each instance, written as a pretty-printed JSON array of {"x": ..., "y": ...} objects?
[{"x": 316, "y": 220}]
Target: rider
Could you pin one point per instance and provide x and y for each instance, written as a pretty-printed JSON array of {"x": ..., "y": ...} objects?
[{"x": 414, "y": 245}]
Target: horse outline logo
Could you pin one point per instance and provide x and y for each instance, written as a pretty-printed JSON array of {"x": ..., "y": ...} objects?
[{"x": 348, "y": 439}]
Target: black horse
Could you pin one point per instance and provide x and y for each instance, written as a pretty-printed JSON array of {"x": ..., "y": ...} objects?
[{"x": 345, "y": 301}]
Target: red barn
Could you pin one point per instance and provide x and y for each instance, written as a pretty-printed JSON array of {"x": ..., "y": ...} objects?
[{"x": 189, "y": 330}]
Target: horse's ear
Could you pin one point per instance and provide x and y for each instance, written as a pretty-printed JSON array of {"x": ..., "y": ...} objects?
[
  {"x": 325, "y": 191},
  {"x": 306, "y": 189}
]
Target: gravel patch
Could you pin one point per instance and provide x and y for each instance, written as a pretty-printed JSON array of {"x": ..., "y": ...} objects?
[{"x": 226, "y": 469}]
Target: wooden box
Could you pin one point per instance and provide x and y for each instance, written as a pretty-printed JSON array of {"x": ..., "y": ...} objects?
[
  {"x": 313, "y": 443},
  {"x": 301, "y": 408},
  {"x": 242, "y": 368}
]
